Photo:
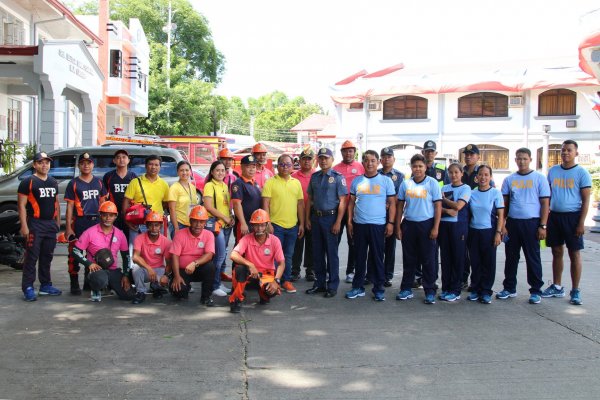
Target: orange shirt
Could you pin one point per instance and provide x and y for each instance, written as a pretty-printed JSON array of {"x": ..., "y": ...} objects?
[
  {"x": 153, "y": 253},
  {"x": 304, "y": 181},
  {"x": 262, "y": 256}
]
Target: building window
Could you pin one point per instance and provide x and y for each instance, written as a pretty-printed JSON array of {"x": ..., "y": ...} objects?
[
  {"x": 483, "y": 105},
  {"x": 553, "y": 155},
  {"x": 14, "y": 120},
  {"x": 356, "y": 106},
  {"x": 492, "y": 155},
  {"x": 557, "y": 102},
  {"x": 116, "y": 63},
  {"x": 12, "y": 30},
  {"x": 405, "y": 107}
]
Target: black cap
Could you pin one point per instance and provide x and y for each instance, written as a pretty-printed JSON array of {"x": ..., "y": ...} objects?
[
  {"x": 429, "y": 145},
  {"x": 471, "y": 148},
  {"x": 121, "y": 151},
  {"x": 387, "y": 151},
  {"x": 248, "y": 160},
  {"x": 307, "y": 153},
  {"x": 85, "y": 157},
  {"x": 41, "y": 156},
  {"x": 324, "y": 152}
]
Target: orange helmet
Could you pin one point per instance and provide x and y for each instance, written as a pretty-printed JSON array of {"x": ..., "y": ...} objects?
[
  {"x": 225, "y": 153},
  {"x": 199, "y": 213},
  {"x": 259, "y": 148},
  {"x": 154, "y": 216},
  {"x": 348, "y": 145},
  {"x": 108, "y": 207},
  {"x": 260, "y": 216}
]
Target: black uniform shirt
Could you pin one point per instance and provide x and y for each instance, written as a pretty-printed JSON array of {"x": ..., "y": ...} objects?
[{"x": 41, "y": 197}]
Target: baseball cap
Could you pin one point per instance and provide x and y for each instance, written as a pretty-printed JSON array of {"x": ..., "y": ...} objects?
[
  {"x": 121, "y": 151},
  {"x": 325, "y": 152},
  {"x": 387, "y": 151},
  {"x": 307, "y": 153},
  {"x": 85, "y": 157},
  {"x": 41, "y": 156},
  {"x": 429, "y": 145},
  {"x": 247, "y": 160},
  {"x": 471, "y": 148}
]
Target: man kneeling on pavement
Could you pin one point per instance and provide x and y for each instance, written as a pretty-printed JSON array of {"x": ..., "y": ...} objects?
[
  {"x": 150, "y": 258},
  {"x": 192, "y": 252},
  {"x": 101, "y": 243},
  {"x": 254, "y": 258}
]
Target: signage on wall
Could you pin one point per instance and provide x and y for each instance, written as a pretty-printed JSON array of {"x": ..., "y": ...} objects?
[{"x": 76, "y": 66}]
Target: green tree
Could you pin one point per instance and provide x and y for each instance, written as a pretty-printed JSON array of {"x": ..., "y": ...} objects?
[{"x": 237, "y": 118}]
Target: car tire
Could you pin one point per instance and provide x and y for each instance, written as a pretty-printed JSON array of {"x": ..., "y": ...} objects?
[{"x": 8, "y": 207}]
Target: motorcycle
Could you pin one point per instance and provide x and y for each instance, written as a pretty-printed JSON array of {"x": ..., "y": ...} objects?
[{"x": 12, "y": 250}]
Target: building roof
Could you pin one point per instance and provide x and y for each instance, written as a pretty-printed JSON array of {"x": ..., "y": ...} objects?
[{"x": 315, "y": 122}]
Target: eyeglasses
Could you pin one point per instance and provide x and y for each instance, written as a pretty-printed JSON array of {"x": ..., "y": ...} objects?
[{"x": 285, "y": 165}]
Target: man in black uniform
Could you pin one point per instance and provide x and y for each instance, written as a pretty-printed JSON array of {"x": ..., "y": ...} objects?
[
  {"x": 116, "y": 182},
  {"x": 39, "y": 214},
  {"x": 84, "y": 195}
]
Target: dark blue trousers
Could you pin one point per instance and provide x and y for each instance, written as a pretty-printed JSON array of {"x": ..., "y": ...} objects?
[
  {"x": 418, "y": 249},
  {"x": 351, "y": 249},
  {"x": 522, "y": 233},
  {"x": 483, "y": 260},
  {"x": 369, "y": 237},
  {"x": 389, "y": 259},
  {"x": 325, "y": 243},
  {"x": 453, "y": 244},
  {"x": 39, "y": 249}
]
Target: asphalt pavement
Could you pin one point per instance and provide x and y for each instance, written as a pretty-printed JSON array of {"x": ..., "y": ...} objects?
[{"x": 301, "y": 346}]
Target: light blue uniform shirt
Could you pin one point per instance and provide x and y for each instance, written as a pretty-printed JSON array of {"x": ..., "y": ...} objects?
[
  {"x": 525, "y": 192},
  {"x": 325, "y": 189},
  {"x": 419, "y": 198},
  {"x": 371, "y": 198},
  {"x": 456, "y": 193},
  {"x": 566, "y": 187},
  {"x": 483, "y": 206}
]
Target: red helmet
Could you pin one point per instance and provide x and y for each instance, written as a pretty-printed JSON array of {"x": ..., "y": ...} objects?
[
  {"x": 108, "y": 207},
  {"x": 225, "y": 153},
  {"x": 348, "y": 145},
  {"x": 260, "y": 216},
  {"x": 199, "y": 213},
  {"x": 154, "y": 216},
  {"x": 259, "y": 148}
]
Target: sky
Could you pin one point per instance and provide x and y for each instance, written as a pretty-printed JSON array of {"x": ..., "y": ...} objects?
[{"x": 303, "y": 47}]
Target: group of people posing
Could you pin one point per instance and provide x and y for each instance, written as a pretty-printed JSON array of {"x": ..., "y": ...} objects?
[{"x": 281, "y": 221}]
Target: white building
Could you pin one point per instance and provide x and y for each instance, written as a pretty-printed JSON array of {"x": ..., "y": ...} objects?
[
  {"x": 50, "y": 85},
  {"x": 499, "y": 109}
]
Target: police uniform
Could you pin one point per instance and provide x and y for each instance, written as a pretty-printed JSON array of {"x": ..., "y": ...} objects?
[
  {"x": 86, "y": 198},
  {"x": 116, "y": 186},
  {"x": 248, "y": 193},
  {"x": 42, "y": 211},
  {"x": 325, "y": 190}
]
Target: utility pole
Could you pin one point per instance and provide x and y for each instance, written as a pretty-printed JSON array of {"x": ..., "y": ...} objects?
[{"x": 168, "y": 30}]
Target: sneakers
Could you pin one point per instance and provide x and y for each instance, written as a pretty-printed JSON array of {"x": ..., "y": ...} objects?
[
  {"x": 417, "y": 283},
  {"x": 49, "y": 290},
  {"x": 219, "y": 292},
  {"x": 576, "y": 297},
  {"x": 535, "y": 298},
  {"x": 485, "y": 299},
  {"x": 473, "y": 296},
  {"x": 355, "y": 292},
  {"x": 288, "y": 287},
  {"x": 349, "y": 278},
  {"x": 443, "y": 295},
  {"x": 505, "y": 294},
  {"x": 139, "y": 298},
  {"x": 429, "y": 299},
  {"x": 451, "y": 297},
  {"x": 295, "y": 277},
  {"x": 75, "y": 289},
  {"x": 225, "y": 289},
  {"x": 379, "y": 296},
  {"x": 29, "y": 294},
  {"x": 404, "y": 295},
  {"x": 235, "y": 307},
  {"x": 207, "y": 301},
  {"x": 553, "y": 291},
  {"x": 96, "y": 295},
  {"x": 387, "y": 283}
]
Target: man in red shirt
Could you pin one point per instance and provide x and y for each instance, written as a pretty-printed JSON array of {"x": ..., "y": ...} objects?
[
  {"x": 259, "y": 151},
  {"x": 304, "y": 244},
  {"x": 150, "y": 259},
  {"x": 192, "y": 252},
  {"x": 254, "y": 257},
  {"x": 350, "y": 168}
]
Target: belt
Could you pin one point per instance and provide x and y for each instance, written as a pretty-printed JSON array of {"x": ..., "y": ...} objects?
[
  {"x": 319, "y": 213},
  {"x": 90, "y": 217}
]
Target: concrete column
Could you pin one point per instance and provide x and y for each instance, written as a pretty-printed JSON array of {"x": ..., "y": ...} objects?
[{"x": 52, "y": 116}]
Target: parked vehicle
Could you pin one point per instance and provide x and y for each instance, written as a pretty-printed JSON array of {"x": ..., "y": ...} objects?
[{"x": 12, "y": 252}]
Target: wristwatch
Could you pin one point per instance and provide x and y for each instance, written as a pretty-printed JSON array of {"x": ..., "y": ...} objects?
[
  {"x": 543, "y": 226},
  {"x": 391, "y": 222},
  {"x": 278, "y": 281}
]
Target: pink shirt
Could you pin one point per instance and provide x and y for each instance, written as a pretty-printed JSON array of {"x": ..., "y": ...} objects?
[
  {"x": 153, "y": 253},
  {"x": 261, "y": 176},
  {"x": 262, "y": 256},
  {"x": 190, "y": 248},
  {"x": 94, "y": 239},
  {"x": 304, "y": 181},
  {"x": 350, "y": 171}
]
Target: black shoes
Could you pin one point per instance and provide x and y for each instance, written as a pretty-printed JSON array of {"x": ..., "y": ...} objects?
[
  {"x": 207, "y": 301},
  {"x": 315, "y": 290},
  {"x": 387, "y": 283},
  {"x": 75, "y": 290},
  {"x": 310, "y": 277},
  {"x": 264, "y": 302},
  {"x": 330, "y": 293},
  {"x": 235, "y": 307},
  {"x": 139, "y": 298},
  {"x": 295, "y": 277}
]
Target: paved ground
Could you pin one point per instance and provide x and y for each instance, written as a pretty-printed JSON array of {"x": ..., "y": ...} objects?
[{"x": 302, "y": 347}]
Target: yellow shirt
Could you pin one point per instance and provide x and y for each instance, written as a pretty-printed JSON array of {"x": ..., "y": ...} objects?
[
  {"x": 183, "y": 198},
  {"x": 284, "y": 195},
  {"x": 156, "y": 192},
  {"x": 219, "y": 193}
]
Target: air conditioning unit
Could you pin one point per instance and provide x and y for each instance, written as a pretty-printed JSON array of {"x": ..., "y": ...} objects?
[
  {"x": 375, "y": 105},
  {"x": 516, "y": 101}
]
